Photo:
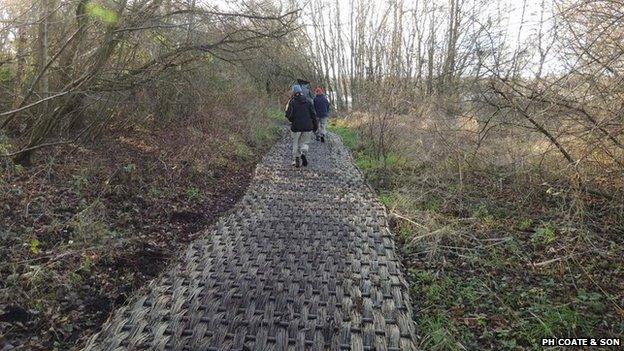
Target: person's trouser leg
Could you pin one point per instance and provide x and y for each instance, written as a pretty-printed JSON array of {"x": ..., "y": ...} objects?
[
  {"x": 323, "y": 125},
  {"x": 304, "y": 139},
  {"x": 296, "y": 139}
]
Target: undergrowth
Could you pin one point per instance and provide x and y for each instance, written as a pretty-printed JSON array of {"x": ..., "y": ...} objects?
[
  {"x": 495, "y": 264},
  {"x": 87, "y": 225}
]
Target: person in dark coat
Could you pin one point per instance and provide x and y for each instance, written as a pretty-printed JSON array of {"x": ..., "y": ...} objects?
[
  {"x": 302, "y": 117},
  {"x": 321, "y": 106}
]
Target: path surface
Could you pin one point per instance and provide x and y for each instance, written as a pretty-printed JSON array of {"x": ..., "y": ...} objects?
[{"x": 304, "y": 261}]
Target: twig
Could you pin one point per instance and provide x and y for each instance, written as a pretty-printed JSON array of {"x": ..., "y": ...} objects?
[
  {"x": 395, "y": 214},
  {"x": 36, "y": 147},
  {"x": 547, "y": 262},
  {"x": 49, "y": 144}
]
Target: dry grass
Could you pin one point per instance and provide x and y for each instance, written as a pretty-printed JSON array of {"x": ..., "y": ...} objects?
[
  {"x": 502, "y": 240},
  {"x": 86, "y": 226}
]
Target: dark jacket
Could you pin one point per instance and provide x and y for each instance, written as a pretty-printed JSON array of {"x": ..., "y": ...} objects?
[
  {"x": 321, "y": 105},
  {"x": 301, "y": 114}
]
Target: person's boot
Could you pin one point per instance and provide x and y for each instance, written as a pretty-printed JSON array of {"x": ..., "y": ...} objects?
[
  {"x": 304, "y": 161},
  {"x": 296, "y": 162},
  {"x": 322, "y": 138}
]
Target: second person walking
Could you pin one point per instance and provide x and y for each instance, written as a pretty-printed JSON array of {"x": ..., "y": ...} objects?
[{"x": 321, "y": 106}]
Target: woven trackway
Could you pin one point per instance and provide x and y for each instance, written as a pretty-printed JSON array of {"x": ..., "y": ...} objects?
[{"x": 304, "y": 261}]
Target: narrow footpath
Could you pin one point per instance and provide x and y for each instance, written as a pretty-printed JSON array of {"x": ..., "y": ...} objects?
[{"x": 305, "y": 261}]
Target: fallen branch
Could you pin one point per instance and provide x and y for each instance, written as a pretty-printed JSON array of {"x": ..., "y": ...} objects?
[
  {"x": 399, "y": 216},
  {"x": 49, "y": 144},
  {"x": 547, "y": 262}
]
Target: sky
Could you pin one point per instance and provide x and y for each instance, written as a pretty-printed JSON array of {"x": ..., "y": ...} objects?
[{"x": 520, "y": 19}]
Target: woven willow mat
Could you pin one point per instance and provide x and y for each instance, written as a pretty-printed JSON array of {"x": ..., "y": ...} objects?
[{"x": 305, "y": 261}]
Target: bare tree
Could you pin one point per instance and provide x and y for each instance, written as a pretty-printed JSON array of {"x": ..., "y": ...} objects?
[{"x": 102, "y": 52}]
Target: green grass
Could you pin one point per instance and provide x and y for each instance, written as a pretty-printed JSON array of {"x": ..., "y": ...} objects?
[
  {"x": 243, "y": 148},
  {"x": 275, "y": 114},
  {"x": 545, "y": 234},
  {"x": 547, "y": 320},
  {"x": 265, "y": 135},
  {"x": 267, "y": 131},
  {"x": 389, "y": 199},
  {"x": 349, "y": 137},
  {"x": 379, "y": 172},
  {"x": 242, "y": 151},
  {"x": 194, "y": 194},
  {"x": 437, "y": 336},
  {"x": 524, "y": 224},
  {"x": 5, "y": 146}
]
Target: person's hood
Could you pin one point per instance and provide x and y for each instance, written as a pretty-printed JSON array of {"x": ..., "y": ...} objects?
[{"x": 300, "y": 98}]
